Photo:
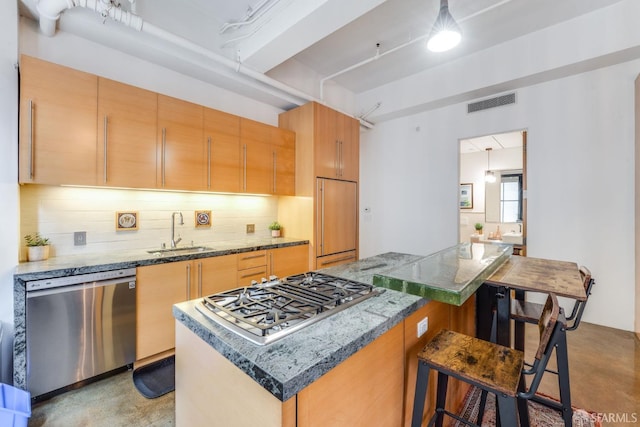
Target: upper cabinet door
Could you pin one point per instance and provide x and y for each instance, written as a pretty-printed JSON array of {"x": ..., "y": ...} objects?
[
  {"x": 268, "y": 158},
  {"x": 58, "y": 110},
  {"x": 336, "y": 145},
  {"x": 349, "y": 144},
  {"x": 284, "y": 157},
  {"x": 222, "y": 138},
  {"x": 127, "y": 128},
  {"x": 182, "y": 149}
]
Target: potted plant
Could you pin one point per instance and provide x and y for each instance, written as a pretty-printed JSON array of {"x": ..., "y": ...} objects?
[
  {"x": 37, "y": 247},
  {"x": 275, "y": 228},
  {"x": 478, "y": 228}
]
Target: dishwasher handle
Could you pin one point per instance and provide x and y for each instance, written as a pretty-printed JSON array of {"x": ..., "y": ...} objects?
[{"x": 82, "y": 286}]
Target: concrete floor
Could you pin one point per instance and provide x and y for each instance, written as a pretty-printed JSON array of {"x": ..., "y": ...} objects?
[
  {"x": 111, "y": 402},
  {"x": 604, "y": 370}
]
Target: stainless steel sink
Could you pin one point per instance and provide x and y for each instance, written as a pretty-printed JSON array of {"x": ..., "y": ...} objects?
[{"x": 185, "y": 250}]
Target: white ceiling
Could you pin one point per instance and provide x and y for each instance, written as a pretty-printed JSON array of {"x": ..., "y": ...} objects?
[
  {"x": 321, "y": 37},
  {"x": 495, "y": 142}
]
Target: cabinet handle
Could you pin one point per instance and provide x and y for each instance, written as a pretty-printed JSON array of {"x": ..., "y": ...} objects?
[
  {"x": 321, "y": 215},
  {"x": 275, "y": 168},
  {"x": 188, "y": 281},
  {"x": 336, "y": 161},
  {"x": 271, "y": 269},
  {"x": 199, "y": 279},
  {"x": 209, "y": 162},
  {"x": 257, "y": 273},
  {"x": 244, "y": 166},
  {"x": 31, "y": 152},
  {"x": 347, "y": 258},
  {"x": 105, "y": 136},
  {"x": 341, "y": 160},
  {"x": 252, "y": 257},
  {"x": 164, "y": 149}
]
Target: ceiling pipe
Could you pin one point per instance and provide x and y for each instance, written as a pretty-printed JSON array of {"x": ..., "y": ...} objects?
[
  {"x": 50, "y": 11},
  {"x": 251, "y": 17}
]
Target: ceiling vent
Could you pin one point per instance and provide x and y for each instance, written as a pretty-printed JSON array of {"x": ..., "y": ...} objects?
[{"x": 498, "y": 101}]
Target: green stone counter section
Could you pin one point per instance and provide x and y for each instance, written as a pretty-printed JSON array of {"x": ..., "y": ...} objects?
[{"x": 450, "y": 276}]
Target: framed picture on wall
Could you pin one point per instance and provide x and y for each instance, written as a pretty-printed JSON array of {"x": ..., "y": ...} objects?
[
  {"x": 126, "y": 221},
  {"x": 466, "y": 196}
]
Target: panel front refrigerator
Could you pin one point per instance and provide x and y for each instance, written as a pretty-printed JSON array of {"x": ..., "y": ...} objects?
[{"x": 337, "y": 225}]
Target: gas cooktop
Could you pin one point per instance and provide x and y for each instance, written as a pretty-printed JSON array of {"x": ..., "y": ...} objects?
[{"x": 270, "y": 310}]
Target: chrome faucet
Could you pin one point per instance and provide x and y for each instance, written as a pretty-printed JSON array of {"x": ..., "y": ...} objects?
[
  {"x": 520, "y": 225},
  {"x": 175, "y": 242}
]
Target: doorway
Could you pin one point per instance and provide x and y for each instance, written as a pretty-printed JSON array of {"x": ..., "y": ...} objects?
[{"x": 493, "y": 189}]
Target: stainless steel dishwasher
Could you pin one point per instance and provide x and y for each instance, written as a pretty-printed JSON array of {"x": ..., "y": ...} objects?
[{"x": 79, "y": 327}]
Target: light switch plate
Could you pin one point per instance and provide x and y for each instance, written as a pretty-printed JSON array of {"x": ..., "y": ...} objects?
[
  {"x": 423, "y": 326},
  {"x": 79, "y": 238}
]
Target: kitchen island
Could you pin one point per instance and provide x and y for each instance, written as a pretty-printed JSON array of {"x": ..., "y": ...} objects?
[{"x": 356, "y": 367}]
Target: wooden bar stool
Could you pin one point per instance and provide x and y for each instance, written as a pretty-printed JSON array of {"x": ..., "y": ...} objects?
[
  {"x": 491, "y": 367},
  {"x": 528, "y": 312}
]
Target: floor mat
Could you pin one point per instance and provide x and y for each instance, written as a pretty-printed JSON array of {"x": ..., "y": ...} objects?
[{"x": 157, "y": 378}]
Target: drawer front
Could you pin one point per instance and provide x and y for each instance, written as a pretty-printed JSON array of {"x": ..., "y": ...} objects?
[
  {"x": 252, "y": 259},
  {"x": 337, "y": 259},
  {"x": 248, "y": 274}
]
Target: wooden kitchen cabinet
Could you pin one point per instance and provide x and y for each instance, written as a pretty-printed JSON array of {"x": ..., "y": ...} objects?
[
  {"x": 364, "y": 390},
  {"x": 58, "y": 113},
  {"x": 127, "y": 128},
  {"x": 161, "y": 286},
  {"x": 212, "y": 275},
  {"x": 182, "y": 150},
  {"x": 336, "y": 145},
  {"x": 158, "y": 288},
  {"x": 252, "y": 266},
  {"x": 327, "y": 150},
  {"x": 224, "y": 166},
  {"x": 268, "y": 159},
  {"x": 288, "y": 261}
]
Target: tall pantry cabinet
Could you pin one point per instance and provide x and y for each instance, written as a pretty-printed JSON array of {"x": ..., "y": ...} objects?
[{"x": 327, "y": 171}]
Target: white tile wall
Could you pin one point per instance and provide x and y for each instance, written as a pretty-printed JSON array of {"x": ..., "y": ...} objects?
[{"x": 56, "y": 212}]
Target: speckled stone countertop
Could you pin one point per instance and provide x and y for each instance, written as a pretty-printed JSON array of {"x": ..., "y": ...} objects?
[
  {"x": 84, "y": 264},
  {"x": 288, "y": 365}
]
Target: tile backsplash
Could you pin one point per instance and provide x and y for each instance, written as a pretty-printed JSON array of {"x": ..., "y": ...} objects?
[{"x": 57, "y": 212}]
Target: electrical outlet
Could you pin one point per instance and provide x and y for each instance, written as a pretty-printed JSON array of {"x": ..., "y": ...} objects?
[
  {"x": 423, "y": 326},
  {"x": 79, "y": 238},
  {"x": 251, "y": 228}
]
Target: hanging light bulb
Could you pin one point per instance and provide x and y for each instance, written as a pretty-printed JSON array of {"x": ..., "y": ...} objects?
[
  {"x": 489, "y": 176},
  {"x": 445, "y": 33}
]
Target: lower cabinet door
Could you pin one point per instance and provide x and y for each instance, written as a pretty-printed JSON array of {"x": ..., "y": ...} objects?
[{"x": 158, "y": 288}]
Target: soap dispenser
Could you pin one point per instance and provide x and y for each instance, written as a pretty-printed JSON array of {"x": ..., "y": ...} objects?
[{"x": 498, "y": 234}]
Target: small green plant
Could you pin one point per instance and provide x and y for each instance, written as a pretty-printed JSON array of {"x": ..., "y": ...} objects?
[
  {"x": 36, "y": 240},
  {"x": 275, "y": 226},
  {"x": 478, "y": 226}
]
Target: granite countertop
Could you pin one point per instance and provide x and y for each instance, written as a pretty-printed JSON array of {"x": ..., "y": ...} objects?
[
  {"x": 82, "y": 264},
  {"x": 288, "y": 365}
]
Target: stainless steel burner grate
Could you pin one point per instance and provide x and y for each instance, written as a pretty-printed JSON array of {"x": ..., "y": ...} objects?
[{"x": 272, "y": 309}]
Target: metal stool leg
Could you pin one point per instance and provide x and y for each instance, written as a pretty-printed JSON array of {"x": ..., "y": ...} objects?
[
  {"x": 422, "y": 380},
  {"x": 441, "y": 397},
  {"x": 507, "y": 410},
  {"x": 563, "y": 378},
  {"x": 483, "y": 404}
]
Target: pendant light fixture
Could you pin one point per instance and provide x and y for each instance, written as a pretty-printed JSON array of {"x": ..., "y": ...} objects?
[
  {"x": 489, "y": 176},
  {"x": 445, "y": 33}
]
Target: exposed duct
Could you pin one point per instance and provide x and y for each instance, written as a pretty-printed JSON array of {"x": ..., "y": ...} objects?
[{"x": 50, "y": 10}]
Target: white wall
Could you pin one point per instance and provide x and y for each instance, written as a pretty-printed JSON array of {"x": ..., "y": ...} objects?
[
  {"x": 580, "y": 179},
  {"x": 8, "y": 176}
]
